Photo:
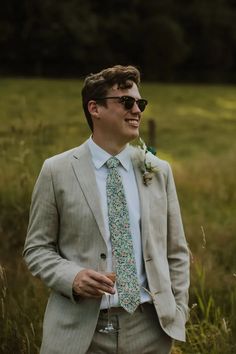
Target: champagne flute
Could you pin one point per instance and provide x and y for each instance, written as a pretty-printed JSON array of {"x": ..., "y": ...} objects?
[{"x": 109, "y": 329}]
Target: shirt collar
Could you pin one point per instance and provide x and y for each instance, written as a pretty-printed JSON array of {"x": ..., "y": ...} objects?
[{"x": 100, "y": 156}]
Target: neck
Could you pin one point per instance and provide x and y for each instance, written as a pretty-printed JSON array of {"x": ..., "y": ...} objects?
[{"x": 112, "y": 147}]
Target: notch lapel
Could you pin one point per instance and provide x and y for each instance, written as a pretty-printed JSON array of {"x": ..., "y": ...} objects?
[
  {"x": 84, "y": 170},
  {"x": 144, "y": 201}
]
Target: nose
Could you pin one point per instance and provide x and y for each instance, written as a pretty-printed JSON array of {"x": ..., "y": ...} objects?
[{"x": 135, "y": 108}]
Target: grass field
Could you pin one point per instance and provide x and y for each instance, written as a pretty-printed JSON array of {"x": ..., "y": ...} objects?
[{"x": 195, "y": 132}]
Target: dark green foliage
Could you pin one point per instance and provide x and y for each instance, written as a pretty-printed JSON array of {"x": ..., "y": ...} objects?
[{"x": 169, "y": 40}]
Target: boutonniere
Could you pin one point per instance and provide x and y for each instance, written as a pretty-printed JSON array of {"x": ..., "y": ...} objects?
[{"x": 146, "y": 166}]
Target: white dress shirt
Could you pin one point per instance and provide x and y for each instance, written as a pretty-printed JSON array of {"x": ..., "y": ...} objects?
[{"x": 99, "y": 158}]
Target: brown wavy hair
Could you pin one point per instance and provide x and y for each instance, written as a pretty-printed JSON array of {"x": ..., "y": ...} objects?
[{"x": 97, "y": 85}]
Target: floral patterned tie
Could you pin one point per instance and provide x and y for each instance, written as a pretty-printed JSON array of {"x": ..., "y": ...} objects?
[{"x": 121, "y": 239}]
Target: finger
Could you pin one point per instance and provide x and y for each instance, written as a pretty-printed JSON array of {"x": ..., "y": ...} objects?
[
  {"x": 94, "y": 287},
  {"x": 98, "y": 281},
  {"x": 95, "y": 292},
  {"x": 91, "y": 295},
  {"x": 90, "y": 274},
  {"x": 102, "y": 278},
  {"x": 97, "y": 287}
]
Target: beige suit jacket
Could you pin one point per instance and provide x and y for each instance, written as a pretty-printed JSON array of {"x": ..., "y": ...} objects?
[{"x": 66, "y": 234}]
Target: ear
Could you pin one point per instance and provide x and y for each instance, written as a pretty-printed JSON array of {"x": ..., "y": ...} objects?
[{"x": 93, "y": 109}]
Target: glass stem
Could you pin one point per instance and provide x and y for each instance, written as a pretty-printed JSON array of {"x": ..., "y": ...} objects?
[{"x": 108, "y": 308}]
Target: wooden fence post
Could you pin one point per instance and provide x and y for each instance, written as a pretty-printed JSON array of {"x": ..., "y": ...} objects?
[{"x": 151, "y": 133}]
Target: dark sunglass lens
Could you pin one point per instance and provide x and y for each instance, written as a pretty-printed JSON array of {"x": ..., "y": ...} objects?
[
  {"x": 142, "y": 104},
  {"x": 128, "y": 102}
]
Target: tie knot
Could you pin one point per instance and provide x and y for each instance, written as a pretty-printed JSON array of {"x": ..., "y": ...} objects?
[{"x": 112, "y": 162}]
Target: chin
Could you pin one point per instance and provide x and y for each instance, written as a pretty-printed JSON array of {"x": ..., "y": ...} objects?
[{"x": 134, "y": 135}]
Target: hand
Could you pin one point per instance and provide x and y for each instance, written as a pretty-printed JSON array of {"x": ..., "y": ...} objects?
[{"x": 92, "y": 284}]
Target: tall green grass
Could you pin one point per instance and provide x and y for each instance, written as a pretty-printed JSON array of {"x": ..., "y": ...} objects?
[{"x": 195, "y": 131}]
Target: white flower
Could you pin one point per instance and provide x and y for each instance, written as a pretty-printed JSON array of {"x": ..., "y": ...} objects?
[{"x": 143, "y": 157}]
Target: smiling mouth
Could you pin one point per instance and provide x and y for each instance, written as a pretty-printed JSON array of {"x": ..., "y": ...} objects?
[{"x": 133, "y": 122}]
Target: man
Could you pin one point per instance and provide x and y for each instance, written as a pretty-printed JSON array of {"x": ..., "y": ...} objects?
[{"x": 92, "y": 205}]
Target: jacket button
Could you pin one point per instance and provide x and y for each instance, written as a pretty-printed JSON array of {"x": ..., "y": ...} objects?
[{"x": 103, "y": 256}]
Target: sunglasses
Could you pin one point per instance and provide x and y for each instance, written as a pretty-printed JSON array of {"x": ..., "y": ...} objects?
[{"x": 127, "y": 101}]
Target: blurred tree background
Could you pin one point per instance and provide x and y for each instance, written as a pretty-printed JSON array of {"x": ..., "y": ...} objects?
[{"x": 169, "y": 40}]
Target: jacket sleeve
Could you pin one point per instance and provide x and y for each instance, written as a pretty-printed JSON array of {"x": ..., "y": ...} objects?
[{"x": 40, "y": 250}]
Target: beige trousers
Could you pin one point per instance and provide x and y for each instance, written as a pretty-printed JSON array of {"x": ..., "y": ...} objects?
[{"x": 139, "y": 333}]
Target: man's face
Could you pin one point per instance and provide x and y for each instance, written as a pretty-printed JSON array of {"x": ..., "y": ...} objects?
[{"x": 115, "y": 122}]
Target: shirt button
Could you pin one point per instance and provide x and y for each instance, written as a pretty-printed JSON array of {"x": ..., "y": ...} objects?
[{"x": 103, "y": 256}]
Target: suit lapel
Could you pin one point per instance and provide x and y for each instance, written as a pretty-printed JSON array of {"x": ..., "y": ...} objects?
[
  {"x": 84, "y": 170},
  {"x": 144, "y": 202}
]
